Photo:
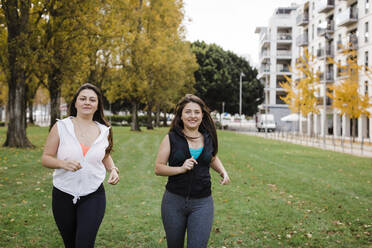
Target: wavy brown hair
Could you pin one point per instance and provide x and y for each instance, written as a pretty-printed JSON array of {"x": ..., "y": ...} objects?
[
  {"x": 98, "y": 115},
  {"x": 207, "y": 123}
]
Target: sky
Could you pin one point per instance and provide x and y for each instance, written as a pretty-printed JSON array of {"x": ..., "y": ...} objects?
[{"x": 230, "y": 23}]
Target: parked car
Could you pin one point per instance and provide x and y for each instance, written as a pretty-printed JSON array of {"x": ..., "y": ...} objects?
[{"x": 265, "y": 122}]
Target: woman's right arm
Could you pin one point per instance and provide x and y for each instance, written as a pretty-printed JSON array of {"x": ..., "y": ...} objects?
[
  {"x": 161, "y": 167},
  {"x": 49, "y": 160}
]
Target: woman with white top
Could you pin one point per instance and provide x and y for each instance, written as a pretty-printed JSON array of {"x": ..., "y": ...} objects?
[{"x": 78, "y": 148}]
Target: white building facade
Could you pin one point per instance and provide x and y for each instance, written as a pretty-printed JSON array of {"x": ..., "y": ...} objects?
[
  {"x": 276, "y": 56},
  {"x": 329, "y": 24},
  {"x": 321, "y": 26}
]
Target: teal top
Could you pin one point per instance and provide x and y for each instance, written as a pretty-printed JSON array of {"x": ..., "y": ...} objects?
[{"x": 195, "y": 152}]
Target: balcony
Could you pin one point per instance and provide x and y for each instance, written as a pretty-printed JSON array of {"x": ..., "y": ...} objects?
[
  {"x": 302, "y": 20},
  {"x": 341, "y": 72},
  {"x": 301, "y": 63},
  {"x": 302, "y": 40},
  {"x": 282, "y": 69},
  {"x": 265, "y": 69},
  {"x": 326, "y": 28},
  {"x": 326, "y": 5},
  {"x": 352, "y": 41},
  {"x": 347, "y": 17},
  {"x": 327, "y": 77},
  {"x": 325, "y": 52},
  {"x": 284, "y": 54},
  {"x": 284, "y": 37}
]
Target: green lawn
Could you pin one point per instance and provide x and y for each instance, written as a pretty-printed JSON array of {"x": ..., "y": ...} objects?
[{"x": 281, "y": 195}]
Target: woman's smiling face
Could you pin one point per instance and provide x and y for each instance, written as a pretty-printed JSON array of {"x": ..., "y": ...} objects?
[{"x": 192, "y": 116}]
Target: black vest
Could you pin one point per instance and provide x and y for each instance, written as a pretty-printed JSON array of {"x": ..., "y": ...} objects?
[{"x": 195, "y": 183}]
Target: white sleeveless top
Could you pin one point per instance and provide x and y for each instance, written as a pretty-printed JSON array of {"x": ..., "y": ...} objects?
[{"x": 86, "y": 180}]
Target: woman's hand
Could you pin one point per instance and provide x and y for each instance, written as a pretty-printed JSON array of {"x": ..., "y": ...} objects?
[
  {"x": 71, "y": 165},
  {"x": 114, "y": 176},
  {"x": 225, "y": 178},
  {"x": 189, "y": 164}
]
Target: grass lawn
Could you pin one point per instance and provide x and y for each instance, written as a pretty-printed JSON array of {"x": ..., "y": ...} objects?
[{"x": 281, "y": 195}]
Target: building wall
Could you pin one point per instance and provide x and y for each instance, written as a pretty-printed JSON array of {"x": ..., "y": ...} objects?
[
  {"x": 335, "y": 123},
  {"x": 277, "y": 60}
]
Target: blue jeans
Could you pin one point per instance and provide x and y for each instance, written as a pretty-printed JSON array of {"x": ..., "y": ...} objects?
[{"x": 181, "y": 214}]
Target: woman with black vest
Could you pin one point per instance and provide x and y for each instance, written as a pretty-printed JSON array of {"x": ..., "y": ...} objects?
[{"x": 185, "y": 156}]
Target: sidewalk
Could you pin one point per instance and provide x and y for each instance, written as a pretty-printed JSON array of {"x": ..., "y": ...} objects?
[{"x": 358, "y": 148}]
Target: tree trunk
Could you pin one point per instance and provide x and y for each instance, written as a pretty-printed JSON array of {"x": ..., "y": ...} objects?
[
  {"x": 157, "y": 116},
  {"x": 353, "y": 120},
  {"x": 30, "y": 112},
  {"x": 7, "y": 115},
  {"x": 165, "y": 120},
  {"x": 17, "y": 19},
  {"x": 55, "y": 96},
  {"x": 149, "y": 125},
  {"x": 311, "y": 125},
  {"x": 16, "y": 133},
  {"x": 134, "y": 124}
]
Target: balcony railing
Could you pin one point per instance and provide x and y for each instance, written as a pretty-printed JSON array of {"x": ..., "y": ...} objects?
[
  {"x": 326, "y": 28},
  {"x": 328, "y": 76},
  {"x": 284, "y": 36},
  {"x": 302, "y": 40},
  {"x": 265, "y": 69},
  {"x": 265, "y": 54},
  {"x": 352, "y": 41},
  {"x": 302, "y": 19},
  {"x": 325, "y": 52},
  {"x": 347, "y": 17},
  {"x": 301, "y": 62},
  {"x": 341, "y": 72},
  {"x": 326, "y": 5},
  {"x": 284, "y": 53},
  {"x": 283, "y": 69}
]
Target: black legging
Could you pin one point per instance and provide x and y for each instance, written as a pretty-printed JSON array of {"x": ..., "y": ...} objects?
[{"x": 78, "y": 223}]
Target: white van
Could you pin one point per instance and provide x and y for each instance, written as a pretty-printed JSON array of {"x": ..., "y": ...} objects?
[{"x": 265, "y": 121}]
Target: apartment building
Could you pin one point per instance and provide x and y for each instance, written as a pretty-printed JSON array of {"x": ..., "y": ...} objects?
[
  {"x": 322, "y": 26},
  {"x": 325, "y": 25},
  {"x": 276, "y": 56}
]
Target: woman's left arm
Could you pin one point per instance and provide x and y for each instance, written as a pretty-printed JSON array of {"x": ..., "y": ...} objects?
[
  {"x": 112, "y": 169},
  {"x": 217, "y": 165}
]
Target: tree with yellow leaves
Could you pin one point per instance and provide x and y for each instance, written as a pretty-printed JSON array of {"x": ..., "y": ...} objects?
[
  {"x": 301, "y": 97},
  {"x": 153, "y": 57},
  {"x": 346, "y": 95}
]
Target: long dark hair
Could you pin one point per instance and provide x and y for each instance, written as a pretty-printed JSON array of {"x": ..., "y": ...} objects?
[
  {"x": 207, "y": 123},
  {"x": 98, "y": 115}
]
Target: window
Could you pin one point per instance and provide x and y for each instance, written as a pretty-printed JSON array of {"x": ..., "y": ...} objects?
[
  {"x": 279, "y": 96},
  {"x": 339, "y": 69},
  {"x": 367, "y": 6},
  {"x": 312, "y": 32},
  {"x": 339, "y": 42},
  {"x": 366, "y": 60},
  {"x": 365, "y": 88},
  {"x": 366, "y": 32}
]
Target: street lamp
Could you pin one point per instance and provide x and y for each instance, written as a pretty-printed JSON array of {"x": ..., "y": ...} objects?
[
  {"x": 266, "y": 99},
  {"x": 240, "y": 95}
]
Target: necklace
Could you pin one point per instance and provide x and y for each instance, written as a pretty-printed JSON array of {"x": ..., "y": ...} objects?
[
  {"x": 83, "y": 133},
  {"x": 190, "y": 137}
]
